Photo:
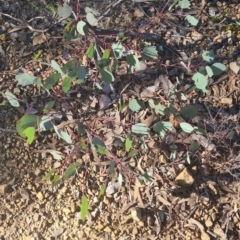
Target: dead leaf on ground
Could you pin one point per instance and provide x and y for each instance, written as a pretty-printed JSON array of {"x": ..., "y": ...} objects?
[
  {"x": 166, "y": 84},
  {"x": 39, "y": 39}
]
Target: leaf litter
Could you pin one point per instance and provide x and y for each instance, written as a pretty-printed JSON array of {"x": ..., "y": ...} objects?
[{"x": 150, "y": 111}]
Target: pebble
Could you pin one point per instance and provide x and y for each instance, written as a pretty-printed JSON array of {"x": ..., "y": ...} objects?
[{"x": 40, "y": 196}]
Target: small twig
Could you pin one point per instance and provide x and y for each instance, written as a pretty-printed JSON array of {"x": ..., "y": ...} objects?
[
  {"x": 30, "y": 27},
  {"x": 109, "y": 8}
]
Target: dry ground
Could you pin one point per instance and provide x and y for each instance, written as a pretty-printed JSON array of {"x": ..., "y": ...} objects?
[{"x": 199, "y": 200}]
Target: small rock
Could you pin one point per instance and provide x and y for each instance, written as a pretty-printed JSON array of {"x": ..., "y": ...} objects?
[
  {"x": 3, "y": 188},
  {"x": 205, "y": 236},
  {"x": 37, "y": 171},
  {"x": 226, "y": 101},
  {"x": 11, "y": 163},
  {"x": 184, "y": 178},
  {"x": 136, "y": 214},
  {"x": 134, "y": 231},
  {"x": 40, "y": 196},
  {"x": 208, "y": 223},
  {"x": 66, "y": 211},
  {"x": 107, "y": 229}
]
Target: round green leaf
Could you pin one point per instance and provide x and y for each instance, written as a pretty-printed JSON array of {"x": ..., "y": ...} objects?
[
  {"x": 66, "y": 85},
  {"x": 51, "y": 81},
  {"x": 134, "y": 105},
  {"x": 25, "y": 79},
  {"x": 82, "y": 28},
  {"x": 189, "y": 111},
  {"x": 12, "y": 99},
  {"x": 201, "y": 81},
  {"x": 29, "y": 133},
  {"x": 186, "y": 127},
  {"x": 71, "y": 170},
  {"x": 91, "y": 19},
  {"x": 64, "y": 11},
  {"x": 48, "y": 106},
  {"x": 192, "y": 20},
  {"x": 194, "y": 146},
  {"x": 117, "y": 49},
  {"x": 107, "y": 76},
  {"x": 209, "y": 71},
  {"x": 25, "y": 122},
  {"x": 218, "y": 68},
  {"x": 149, "y": 53}
]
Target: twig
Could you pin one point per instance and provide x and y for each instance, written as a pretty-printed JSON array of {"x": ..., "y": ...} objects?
[
  {"x": 109, "y": 8},
  {"x": 30, "y": 27}
]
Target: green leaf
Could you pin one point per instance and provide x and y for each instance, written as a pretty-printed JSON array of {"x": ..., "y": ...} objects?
[
  {"x": 117, "y": 49},
  {"x": 45, "y": 123},
  {"x": 12, "y": 99},
  {"x": 184, "y": 4},
  {"x": 69, "y": 35},
  {"x": 140, "y": 128},
  {"x": 64, "y": 11},
  {"x": 71, "y": 67},
  {"x": 135, "y": 105},
  {"x": 56, "y": 67},
  {"x": 56, "y": 180},
  {"x": 186, "y": 127},
  {"x": 132, "y": 153},
  {"x": 51, "y": 81},
  {"x": 82, "y": 28},
  {"x": 128, "y": 144},
  {"x": 146, "y": 177},
  {"x": 201, "y": 81},
  {"x": 101, "y": 148},
  {"x": 106, "y": 76},
  {"x": 66, "y": 85},
  {"x": 106, "y": 54},
  {"x": 81, "y": 74},
  {"x": 81, "y": 128},
  {"x": 48, "y": 106},
  {"x": 209, "y": 71},
  {"x": 218, "y": 68},
  {"x": 112, "y": 168},
  {"x": 173, "y": 4},
  {"x": 3, "y": 103},
  {"x": 49, "y": 174},
  {"x": 66, "y": 137},
  {"x": 25, "y": 79},
  {"x": 194, "y": 146},
  {"x": 84, "y": 207},
  {"x": 189, "y": 111},
  {"x": 192, "y": 20},
  {"x": 71, "y": 170},
  {"x": 91, "y": 19},
  {"x": 230, "y": 135},
  {"x": 208, "y": 56},
  {"x": 188, "y": 158},
  {"x": 56, "y": 155},
  {"x": 25, "y": 122},
  {"x": 133, "y": 62},
  {"x": 159, "y": 108},
  {"x": 162, "y": 126},
  {"x": 90, "y": 51},
  {"x": 102, "y": 191},
  {"x": 30, "y": 134},
  {"x": 149, "y": 53},
  {"x": 87, "y": 10},
  {"x": 82, "y": 144}
]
